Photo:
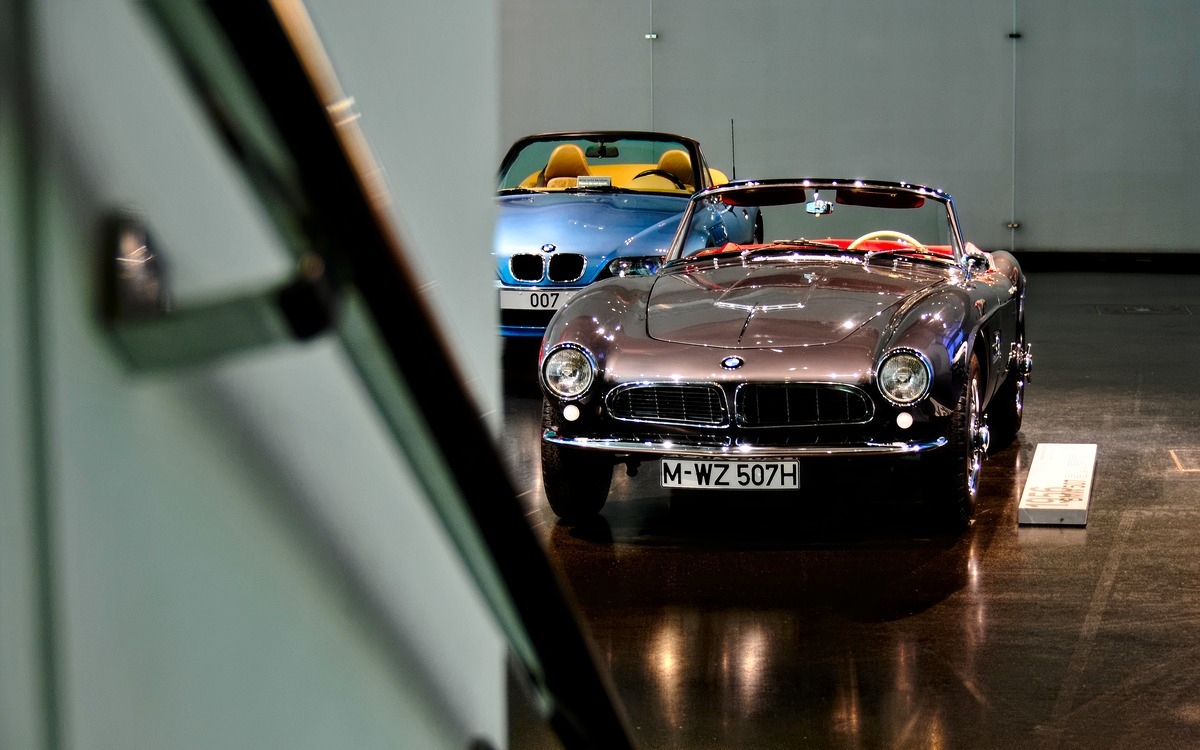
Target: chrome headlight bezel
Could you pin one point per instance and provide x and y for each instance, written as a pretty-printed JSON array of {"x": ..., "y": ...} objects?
[
  {"x": 904, "y": 377},
  {"x": 563, "y": 384}
]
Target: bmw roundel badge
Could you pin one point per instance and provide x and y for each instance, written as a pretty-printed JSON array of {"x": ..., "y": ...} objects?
[
  {"x": 732, "y": 363},
  {"x": 549, "y": 247}
]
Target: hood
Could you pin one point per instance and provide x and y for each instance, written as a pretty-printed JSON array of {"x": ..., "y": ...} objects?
[
  {"x": 775, "y": 303},
  {"x": 590, "y": 223}
]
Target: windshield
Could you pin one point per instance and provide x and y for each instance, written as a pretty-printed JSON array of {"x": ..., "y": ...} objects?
[
  {"x": 873, "y": 219},
  {"x": 597, "y": 161}
]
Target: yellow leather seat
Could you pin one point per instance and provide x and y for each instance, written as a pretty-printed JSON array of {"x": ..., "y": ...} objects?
[
  {"x": 676, "y": 162},
  {"x": 567, "y": 162}
]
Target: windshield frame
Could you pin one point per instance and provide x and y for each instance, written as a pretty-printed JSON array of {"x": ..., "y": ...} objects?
[{"x": 778, "y": 190}]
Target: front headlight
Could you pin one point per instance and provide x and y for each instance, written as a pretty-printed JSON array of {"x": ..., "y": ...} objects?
[
  {"x": 634, "y": 266},
  {"x": 905, "y": 377},
  {"x": 568, "y": 372}
]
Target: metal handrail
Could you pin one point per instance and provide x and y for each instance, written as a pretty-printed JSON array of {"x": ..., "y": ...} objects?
[{"x": 262, "y": 74}]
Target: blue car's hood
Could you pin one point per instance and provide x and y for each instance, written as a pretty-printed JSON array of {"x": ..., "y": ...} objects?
[{"x": 601, "y": 226}]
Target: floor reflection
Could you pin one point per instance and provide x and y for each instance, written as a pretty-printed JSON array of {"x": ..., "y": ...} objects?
[{"x": 842, "y": 620}]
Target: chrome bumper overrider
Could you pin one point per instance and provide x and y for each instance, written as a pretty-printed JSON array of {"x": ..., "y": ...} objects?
[{"x": 736, "y": 451}]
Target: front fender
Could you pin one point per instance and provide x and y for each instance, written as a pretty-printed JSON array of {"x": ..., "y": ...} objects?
[
  {"x": 599, "y": 318},
  {"x": 941, "y": 324}
]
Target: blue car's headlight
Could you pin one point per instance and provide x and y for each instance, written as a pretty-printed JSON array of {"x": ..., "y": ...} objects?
[
  {"x": 568, "y": 372},
  {"x": 634, "y": 266}
]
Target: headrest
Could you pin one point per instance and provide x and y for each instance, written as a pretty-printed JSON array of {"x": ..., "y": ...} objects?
[
  {"x": 566, "y": 161},
  {"x": 677, "y": 162}
]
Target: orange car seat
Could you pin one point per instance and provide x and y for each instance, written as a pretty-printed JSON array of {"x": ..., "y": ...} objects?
[
  {"x": 566, "y": 163},
  {"x": 677, "y": 162}
]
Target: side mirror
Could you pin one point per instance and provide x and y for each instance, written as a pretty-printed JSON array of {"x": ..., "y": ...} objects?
[{"x": 975, "y": 260}]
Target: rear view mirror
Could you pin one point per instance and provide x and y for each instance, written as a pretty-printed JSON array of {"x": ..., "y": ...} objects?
[
  {"x": 818, "y": 207},
  {"x": 602, "y": 151}
]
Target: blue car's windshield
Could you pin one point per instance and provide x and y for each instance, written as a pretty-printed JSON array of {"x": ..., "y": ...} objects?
[{"x": 625, "y": 163}]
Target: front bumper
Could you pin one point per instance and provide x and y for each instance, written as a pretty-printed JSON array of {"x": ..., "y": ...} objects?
[{"x": 693, "y": 450}]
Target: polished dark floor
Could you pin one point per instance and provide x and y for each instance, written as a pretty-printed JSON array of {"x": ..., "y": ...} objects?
[{"x": 839, "y": 621}]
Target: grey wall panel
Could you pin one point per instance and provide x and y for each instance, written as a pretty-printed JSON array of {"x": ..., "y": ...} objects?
[
  {"x": 574, "y": 65},
  {"x": 1108, "y": 114},
  {"x": 934, "y": 91},
  {"x": 424, "y": 80},
  {"x": 917, "y": 91}
]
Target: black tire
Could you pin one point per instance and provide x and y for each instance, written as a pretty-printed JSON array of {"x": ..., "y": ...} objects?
[
  {"x": 1008, "y": 405},
  {"x": 961, "y": 460},
  {"x": 576, "y": 481},
  {"x": 1006, "y": 411}
]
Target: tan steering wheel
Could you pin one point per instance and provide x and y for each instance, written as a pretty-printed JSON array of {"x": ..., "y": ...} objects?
[{"x": 881, "y": 233}]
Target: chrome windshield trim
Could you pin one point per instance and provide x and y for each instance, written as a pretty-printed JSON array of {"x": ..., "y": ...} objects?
[{"x": 743, "y": 451}]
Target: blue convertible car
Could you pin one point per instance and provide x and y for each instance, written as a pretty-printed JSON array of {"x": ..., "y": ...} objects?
[{"x": 578, "y": 207}]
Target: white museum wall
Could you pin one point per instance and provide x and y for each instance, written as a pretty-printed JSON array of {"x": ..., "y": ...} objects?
[
  {"x": 574, "y": 65},
  {"x": 1109, "y": 137},
  {"x": 1092, "y": 111},
  {"x": 235, "y": 554}
]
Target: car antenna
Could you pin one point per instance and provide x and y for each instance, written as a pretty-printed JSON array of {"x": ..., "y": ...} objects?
[{"x": 733, "y": 148}]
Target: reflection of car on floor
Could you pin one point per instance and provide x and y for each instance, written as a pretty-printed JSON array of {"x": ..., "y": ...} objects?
[
  {"x": 578, "y": 207},
  {"x": 861, "y": 328}
]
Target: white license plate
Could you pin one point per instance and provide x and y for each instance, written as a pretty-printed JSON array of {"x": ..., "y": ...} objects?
[
  {"x": 549, "y": 299},
  {"x": 730, "y": 475}
]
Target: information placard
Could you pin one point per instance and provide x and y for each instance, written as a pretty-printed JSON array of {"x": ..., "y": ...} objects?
[{"x": 1059, "y": 486}]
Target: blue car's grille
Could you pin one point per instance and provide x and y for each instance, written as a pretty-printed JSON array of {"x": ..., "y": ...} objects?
[
  {"x": 565, "y": 267},
  {"x": 559, "y": 268},
  {"x": 669, "y": 403},
  {"x": 800, "y": 404},
  {"x": 527, "y": 267}
]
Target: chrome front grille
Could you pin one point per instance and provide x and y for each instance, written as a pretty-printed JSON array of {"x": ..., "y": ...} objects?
[
  {"x": 755, "y": 404},
  {"x": 669, "y": 403},
  {"x": 801, "y": 404},
  {"x": 560, "y": 268}
]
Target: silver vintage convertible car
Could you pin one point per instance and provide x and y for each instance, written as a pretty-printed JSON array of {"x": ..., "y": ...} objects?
[{"x": 860, "y": 327}]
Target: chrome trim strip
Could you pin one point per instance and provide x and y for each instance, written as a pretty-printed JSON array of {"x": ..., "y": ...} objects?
[{"x": 744, "y": 451}]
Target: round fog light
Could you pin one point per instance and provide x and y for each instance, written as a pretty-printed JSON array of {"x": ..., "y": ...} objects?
[
  {"x": 904, "y": 420},
  {"x": 570, "y": 412}
]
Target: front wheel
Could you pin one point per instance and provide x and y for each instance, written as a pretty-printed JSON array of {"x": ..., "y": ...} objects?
[
  {"x": 1004, "y": 417},
  {"x": 1008, "y": 405},
  {"x": 576, "y": 481},
  {"x": 962, "y": 458}
]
